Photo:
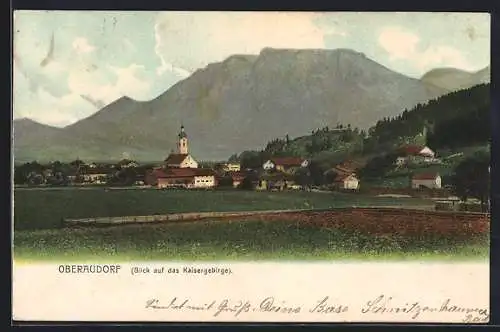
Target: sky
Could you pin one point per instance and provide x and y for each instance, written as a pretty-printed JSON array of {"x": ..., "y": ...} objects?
[{"x": 69, "y": 64}]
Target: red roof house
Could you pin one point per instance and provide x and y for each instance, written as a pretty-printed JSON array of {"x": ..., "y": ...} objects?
[
  {"x": 184, "y": 177},
  {"x": 283, "y": 163},
  {"x": 416, "y": 150},
  {"x": 426, "y": 180}
]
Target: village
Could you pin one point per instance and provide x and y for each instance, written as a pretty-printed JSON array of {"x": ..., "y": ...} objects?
[{"x": 181, "y": 170}]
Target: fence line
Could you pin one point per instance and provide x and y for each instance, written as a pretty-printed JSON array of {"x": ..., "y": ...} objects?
[{"x": 192, "y": 216}]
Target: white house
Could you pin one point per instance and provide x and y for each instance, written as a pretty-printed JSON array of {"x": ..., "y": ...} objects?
[
  {"x": 426, "y": 180},
  {"x": 415, "y": 152},
  {"x": 284, "y": 164},
  {"x": 347, "y": 181}
]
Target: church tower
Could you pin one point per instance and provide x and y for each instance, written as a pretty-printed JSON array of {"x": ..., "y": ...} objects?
[{"x": 183, "y": 142}]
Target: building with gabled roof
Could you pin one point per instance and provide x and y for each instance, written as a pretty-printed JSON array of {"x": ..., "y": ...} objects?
[
  {"x": 177, "y": 160},
  {"x": 346, "y": 181},
  {"x": 190, "y": 178},
  {"x": 416, "y": 150},
  {"x": 426, "y": 180},
  {"x": 284, "y": 164},
  {"x": 414, "y": 153},
  {"x": 181, "y": 159}
]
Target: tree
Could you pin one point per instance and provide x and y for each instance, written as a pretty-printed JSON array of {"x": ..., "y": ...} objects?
[
  {"x": 225, "y": 181},
  {"x": 19, "y": 175},
  {"x": 249, "y": 181},
  {"x": 330, "y": 176},
  {"x": 316, "y": 171},
  {"x": 124, "y": 177},
  {"x": 77, "y": 163},
  {"x": 28, "y": 173},
  {"x": 303, "y": 177},
  {"x": 233, "y": 158},
  {"x": 57, "y": 166},
  {"x": 378, "y": 166},
  {"x": 471, "y": 178},
  {"x": 251, "y": 159}
]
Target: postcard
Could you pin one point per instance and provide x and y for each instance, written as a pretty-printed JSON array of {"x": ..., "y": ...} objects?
[{"x": 251, "y": 166}]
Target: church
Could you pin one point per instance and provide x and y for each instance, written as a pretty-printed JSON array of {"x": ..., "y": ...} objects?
[
  {"x": 180, "y": 170},
  {"x": 181, "y": 159}
]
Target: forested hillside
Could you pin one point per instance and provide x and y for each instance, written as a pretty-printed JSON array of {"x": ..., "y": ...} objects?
[
  {"x": 457, "y": 120},
  {"x": 331, "y": 145}
]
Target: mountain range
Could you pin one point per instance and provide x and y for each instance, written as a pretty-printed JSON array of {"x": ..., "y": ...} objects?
[{"x": 240, "y": 104}]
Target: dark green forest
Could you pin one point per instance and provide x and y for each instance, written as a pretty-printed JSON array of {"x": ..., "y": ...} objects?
[{"x": 457, "y": 119}]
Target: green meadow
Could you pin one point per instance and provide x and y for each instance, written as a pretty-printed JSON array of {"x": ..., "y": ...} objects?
[
  {"x": 45, "y": 209},
  {"x": 242, "y": 241},
  {"x": 40, "y": 235}
]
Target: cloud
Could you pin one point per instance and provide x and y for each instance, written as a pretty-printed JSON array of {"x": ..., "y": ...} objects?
[
  {"x": 88, "y": 90},
  {"x": 329, "y": 30},
  {"x": 402, "y": 44},
  {"x": 191, "y": 40},
  {"x": 95, "y": 85},
  {"x": 61, "y": 86},
  {"x": 442, "y": 56},
  {"x": 45, "y": 108},
  {"x": 128, "y": 83},
  {"x": 164, "y": 65},
  {"x": 82, "y": 46},
  {"x": 129, "y": 45}
]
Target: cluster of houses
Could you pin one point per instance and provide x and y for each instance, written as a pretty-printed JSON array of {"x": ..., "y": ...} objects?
[
  {"x": 75, "y": 172},
  {"x": 181, "y": 170},
  {"x": 95, "y": 173}
]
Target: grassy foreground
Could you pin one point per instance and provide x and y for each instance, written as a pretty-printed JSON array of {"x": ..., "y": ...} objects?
[
  {"x": 251, "y": 240},
  {"x": 45, "y": 209}
]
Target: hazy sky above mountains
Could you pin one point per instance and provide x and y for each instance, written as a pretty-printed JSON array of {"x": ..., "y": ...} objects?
[{"x": 67, "y": 65}]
